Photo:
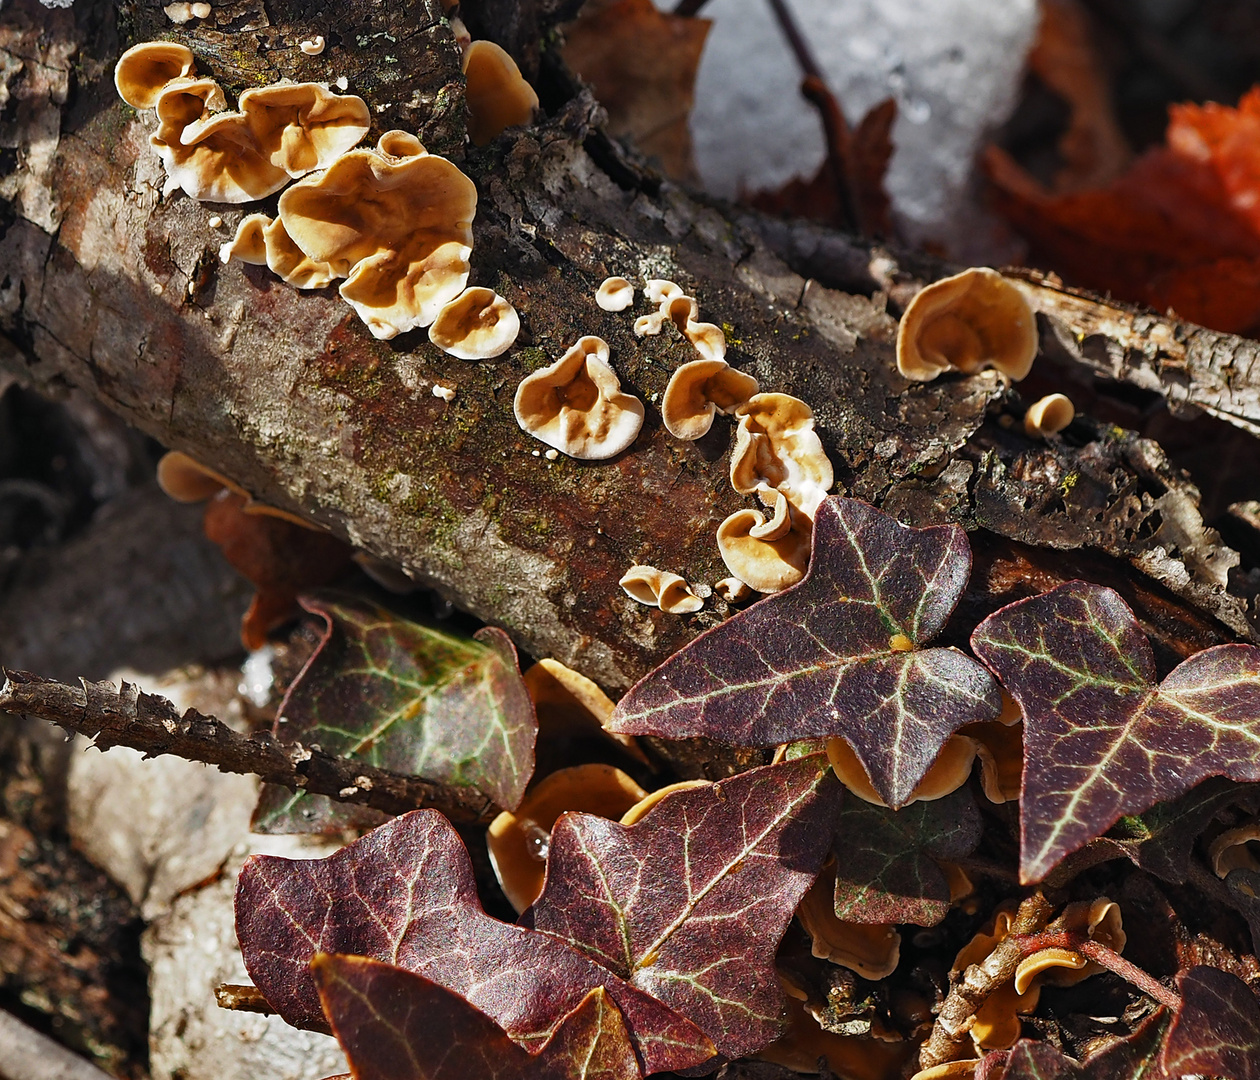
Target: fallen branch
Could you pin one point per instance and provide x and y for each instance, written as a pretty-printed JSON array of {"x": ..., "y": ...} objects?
[{"x": 149, "y": 723}]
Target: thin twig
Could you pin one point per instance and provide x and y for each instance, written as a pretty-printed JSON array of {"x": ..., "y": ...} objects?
[
  {"x": 688, "y": 8},
  {"x": 242, "y": 999},
  {"x": 978, "y": 982},
  {"x": 1075, "y": 941},
  {"x": 28, "y": 1055},
  {"x": 146, "y": 722}
]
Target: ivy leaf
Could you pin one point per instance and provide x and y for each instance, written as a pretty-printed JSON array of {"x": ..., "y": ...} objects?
[
  {"x": 395, "y": 1025},
  {"x": 1101, "y": 739},
  {"x": 885, "y": 870},
  {"x": 405, "y": 893},
  {"x": 689, "y": 904},
  {"x": 1216, "y": 1032},
  {"x": 1132, "y": 1058},
  {"x": 839, "y": 654},
  {"x": 403, "y": 696}
]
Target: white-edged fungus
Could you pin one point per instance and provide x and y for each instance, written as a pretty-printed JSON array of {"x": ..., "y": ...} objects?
[
  {"x": 947, "y": 773},
  {"x": 312, "y": 46},
  {"x": 497, "y": 95},
  {"x": 636, "y": 812},
  {"x": 261, "y": 241},
  {"x": 776, "y": 526},
  {"x": 614, "y": 294},
  {"x": 777, "y": 447},
  {"x": 768, "y": 566},
  {"x": 966, "y": 322},
  {"x": 519, "y": 841},
  {"x": 1049, "y": 415},
  {"x": 700, "y": 389},
  {"x": 873, "y": 951},
  {"x": 399, "y": 229},
  {"x": 201, "y": 11},
  {"x": 144, "y": 70},
  {"x": 658, "y": 290},
  {"x": 1235, "y": 849},
  {"x": 186, "y": 480},
  {"x": 477, "y": 325},
  {"x": 1001, "y": 756},
  {"x": 577, "y": 406},
  {"x": 1100, "y": 920},
  {"x": 570, "y": 704},
  {"x": 399, "y": 144},
  {"x": 660, "y": 588},
  {"x": 732, "y": 590}
]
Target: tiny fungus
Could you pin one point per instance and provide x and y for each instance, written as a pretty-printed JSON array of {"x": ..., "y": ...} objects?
[
  {"x": 477, "y": 325},
  {"x": 446, "y": 393},
  {"x": 570, "y": 704},
  {"x": 997, "y": 1024},
  {"x": 636, "y": 812},
  {"x": 577, "y": 406},
  {"x": 947, "y": 773},
  {"x": 962, "y": 1069},
  {"x": 872, "y": 950},
  {"x": 700, "y": 389},
  {"x": 497, "y": 94},
  {"x": 312, "y": 46},
  {"x": 398, "y": 228},
  {"x": 182, "y": 12},
  {"x": 660, "y": 588},
  {"x": 145, "y": 69},
  {"x": 399, "y": 144},
  {"x": 768, "y": 566},
  {"x": 1235, "y": 849},
  {"x": 186, "y": 480},
  {"x": 966, "y": 322},
  {"x": 518, "y": 841},
  {"x": 732, "y": 590},
  {"x": 1049, "y": 415},
  {"x": 777, "y": 447},
  {"x": 614, "y": 294}
]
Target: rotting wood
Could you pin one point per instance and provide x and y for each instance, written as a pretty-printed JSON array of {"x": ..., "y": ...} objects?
[
  {"x": 116, "y": 289},
  {"x": 127, "y": 716}
]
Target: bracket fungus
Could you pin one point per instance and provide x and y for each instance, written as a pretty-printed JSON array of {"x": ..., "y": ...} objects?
[
  {"x": 698, "y": 390},
  {"x": 777, "y": 447},
  {"x": 144, "y": 70},
  {"x": 872, "y": 950},
  {"x": 301, "y": 127},
  {"x": 263, "y": 242},
  {"x": 477, "y": 325},
  {"x": 576, "y": 405},
  {"x": 950, "y": 770},
  {"x": 966, "y": 322},
  {"x": 518, "y": 841},
  {"x": 497, "y": 94},
  {"x": 614, "y": 294},
  {"x": 398, "y": 228},
  {"x": 1049, "y": 415},
  {"x": 769, "y": 566},
  {"x": 660, "y": 588},
  {"x": 1235, "y": 849}
]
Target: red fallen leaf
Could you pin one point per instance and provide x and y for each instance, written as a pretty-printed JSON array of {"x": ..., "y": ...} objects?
[
  {"x": 642, "y": 64},
  {"x": 885, "y": 859},
  {"x": 1133, "y": 1058},
  {"x": 1216, "y": 1032},
  {"x": 406, "y": 697},
  {"x": 395, "y": 1025},
  {"x": 689, "y": 904},
  {"x": 405, "y": 893},
  {"x": 1180, "y": 229},
  {"x": 1101, "y": 739},
  {"x": 279, "y": 558},
  {"x": 841, "y": 653}
]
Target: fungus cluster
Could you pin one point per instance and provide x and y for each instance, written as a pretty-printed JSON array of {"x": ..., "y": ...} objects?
[{"x": 660, "y": 588}]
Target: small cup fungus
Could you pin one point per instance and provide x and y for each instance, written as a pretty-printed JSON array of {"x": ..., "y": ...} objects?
[
  {"x": 399, "y": 229},
  {"x": 188, "y": 481},
  {"x": 145, "y": 69},
  {"x": 518, "y": 841},
  {"x": 776, "y": 447},
  {"x": 1236, "y": 849},
  {"x": 769, "y": 566},
  {"x": 1100, "y": 920},
  {"x": 965, "y": 322},
  {"x": 615, "y": 294},
  {"x": 498, "y": 96},
  {"x": 576, "y": 404},
  {"x": 947, "y": 773},
  {"x": 700, "y": 389},
  {"x": 1049, "y": 415},
  {"x": 312, "y": 46},
  {"x": 477, "y": 325},
  {"x": 636, "y": 812},
  {"x": 570, "y": 704},
  {"x": 660, "y": 588}
]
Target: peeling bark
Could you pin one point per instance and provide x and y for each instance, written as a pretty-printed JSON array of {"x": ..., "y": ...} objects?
[{"x": 110, "y": 287}]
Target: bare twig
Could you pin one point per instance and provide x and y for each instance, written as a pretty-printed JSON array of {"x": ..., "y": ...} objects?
[
  {"x": 241, "y": 998},
  {"x": 1075, "y": 941},
  {"x": 28, "y": 1055},
  {"x": 978, "y": 982},
  {"x": 146, "y": 722}
]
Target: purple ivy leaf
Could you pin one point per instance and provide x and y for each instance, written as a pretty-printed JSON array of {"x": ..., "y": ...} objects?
[
  {"x": 1216, "y": 1032},
  {"x": 839, "y": 654},
  {"x": 402, "y": 696},
  {"x": 690, "y": 903},
  {"x": 396, "y": 1025},
  {"x": 405, "y": 893},
  {"x": 1101, "y": 739},
  {"x": 1133, "y": 1058},
  {"x": 885, "y": 870}
]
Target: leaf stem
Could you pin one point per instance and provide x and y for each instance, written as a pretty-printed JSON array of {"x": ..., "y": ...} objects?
[{"x": 1075, "y": 941}]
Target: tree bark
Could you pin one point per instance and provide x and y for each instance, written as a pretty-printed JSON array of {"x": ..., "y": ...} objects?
[{"x": 109, "y": 286}]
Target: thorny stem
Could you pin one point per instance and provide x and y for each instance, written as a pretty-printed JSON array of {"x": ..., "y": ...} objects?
[
  {"x": 978, "y": 982},
  {"x": 1075, "y": 941}
]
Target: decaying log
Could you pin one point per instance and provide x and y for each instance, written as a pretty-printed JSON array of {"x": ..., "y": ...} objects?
[{"x": 112, "y": 287}]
